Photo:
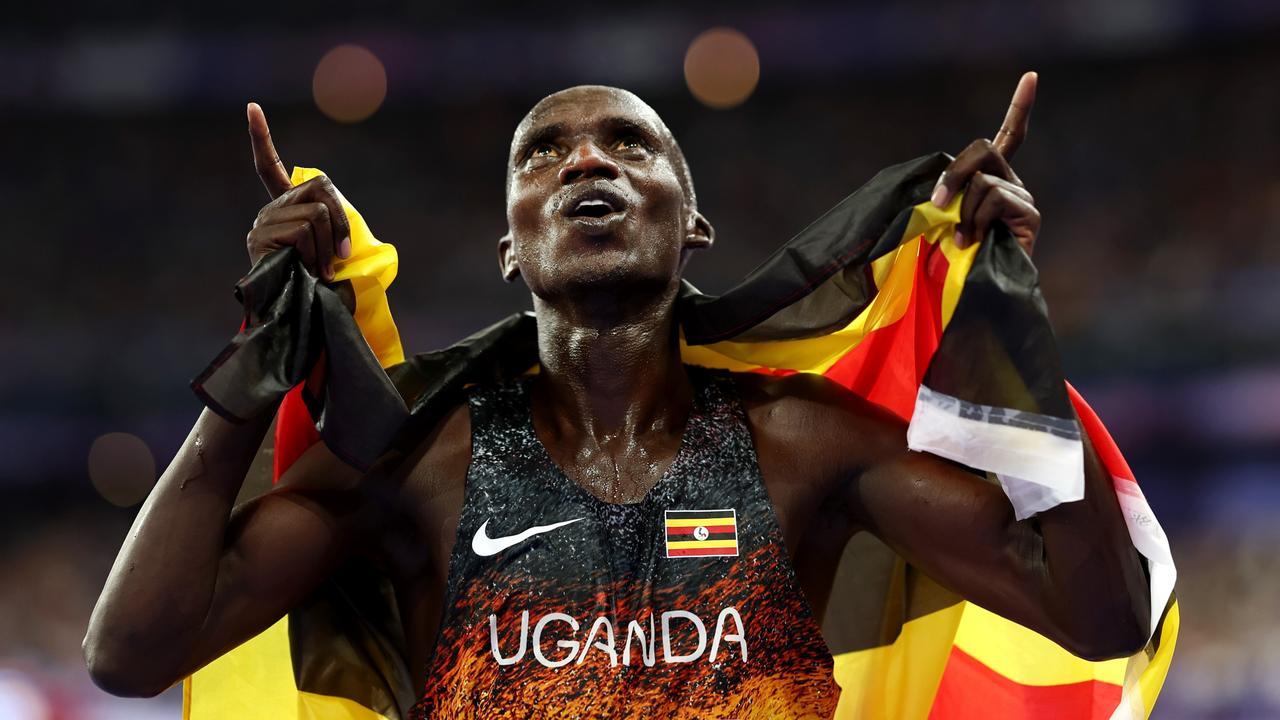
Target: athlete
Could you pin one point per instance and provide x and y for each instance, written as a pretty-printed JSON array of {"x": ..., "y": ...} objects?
[{"x": 619, "y": 533}]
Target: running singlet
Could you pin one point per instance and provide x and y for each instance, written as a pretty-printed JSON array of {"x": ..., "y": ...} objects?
[{"x": 683, "y": 605}]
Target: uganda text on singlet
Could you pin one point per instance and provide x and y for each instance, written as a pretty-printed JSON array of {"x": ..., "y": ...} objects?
[{"x": 683, "y": 605}]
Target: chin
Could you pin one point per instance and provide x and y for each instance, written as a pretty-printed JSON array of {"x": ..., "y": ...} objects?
[
  {"x": 606, "y": 277},
  {"x": 620, "y": 265}
]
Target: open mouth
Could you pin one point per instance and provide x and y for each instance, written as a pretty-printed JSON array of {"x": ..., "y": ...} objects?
[
  {"x": 592, "y": 208},
  {"x": 593, "y": 202}
]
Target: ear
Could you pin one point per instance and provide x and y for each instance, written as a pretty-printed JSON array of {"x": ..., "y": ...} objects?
[
  {"x": 507, "y": 258},
  {"x": 699, "y": 234}
]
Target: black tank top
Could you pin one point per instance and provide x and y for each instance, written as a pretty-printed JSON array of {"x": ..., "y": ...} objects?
[{"x": 682, "y": 605}]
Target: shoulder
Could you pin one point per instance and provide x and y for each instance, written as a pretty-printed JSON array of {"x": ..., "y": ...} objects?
[
  {"x": 437, "y": 456},
  {"x": 817, "y": 417},
  {"x": 806, "y": 399}
]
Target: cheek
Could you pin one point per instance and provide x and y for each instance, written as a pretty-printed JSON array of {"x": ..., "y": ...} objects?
[
  {"x": 664, "y": 215},
  {"x": 662, "y": 195},
  {"x": 528, "y": 223},
  {"x": 524, "y": 210}
]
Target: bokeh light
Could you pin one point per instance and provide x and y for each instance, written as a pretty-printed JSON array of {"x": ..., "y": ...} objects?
[
  {"x": 121, "y": 468},
  {"x": 22, "y": 698},
  {"x": 721, "y": 68},
  {"x": 350, "y": 83}
]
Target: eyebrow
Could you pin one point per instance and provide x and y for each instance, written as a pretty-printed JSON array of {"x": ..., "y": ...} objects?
[
  {"x": 538, "y": 135},
  {"x": 613, "y": 124}
]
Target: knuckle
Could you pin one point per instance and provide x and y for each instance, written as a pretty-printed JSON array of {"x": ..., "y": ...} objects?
[
  {"x": 294, "y": 234},
  {"x": 980, "y": 146},
  {"x": 994, "y": 201},
  {"x": 992, "y": 210}
]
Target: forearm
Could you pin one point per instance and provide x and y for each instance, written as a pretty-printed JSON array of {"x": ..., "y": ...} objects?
[
  {"x": 160, "y": 588},
  {"x": 1099, "y": 592}
]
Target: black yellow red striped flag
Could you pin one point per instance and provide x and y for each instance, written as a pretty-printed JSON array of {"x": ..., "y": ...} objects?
[{"x": 701, "y": 533}]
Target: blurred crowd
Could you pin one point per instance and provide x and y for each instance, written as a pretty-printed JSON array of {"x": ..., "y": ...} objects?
[{"x": 1155, "y": 171}]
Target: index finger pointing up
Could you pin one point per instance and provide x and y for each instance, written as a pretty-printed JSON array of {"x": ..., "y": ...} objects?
[
  {"x": 1014, "y": 129},
  {"x": 265, "y": 158}
]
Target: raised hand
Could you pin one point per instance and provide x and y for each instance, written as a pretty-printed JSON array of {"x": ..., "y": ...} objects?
[
  {"x": 308, "y": 217},
  {"x": 993, "y": 191}
]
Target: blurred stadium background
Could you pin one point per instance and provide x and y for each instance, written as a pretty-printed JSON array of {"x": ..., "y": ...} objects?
[{"x": 129, "y": 188}]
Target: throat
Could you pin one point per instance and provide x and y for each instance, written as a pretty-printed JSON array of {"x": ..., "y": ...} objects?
[
  {"x": 610, "y": 404},
  {"x": 620, "y": 480},
  {"x": 618, "y": 465}
]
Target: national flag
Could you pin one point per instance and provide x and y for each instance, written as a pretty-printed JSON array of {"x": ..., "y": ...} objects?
[
  {"x": 257, "y": 680},
  {"x": 875, "y": 296},
  {"x": 701, "y": 533}
]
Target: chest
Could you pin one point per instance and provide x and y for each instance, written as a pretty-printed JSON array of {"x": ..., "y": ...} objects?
[{"x": 787, "y": 494}]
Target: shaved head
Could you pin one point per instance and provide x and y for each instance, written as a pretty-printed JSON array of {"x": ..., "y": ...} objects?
[
  {"x": 600, "y": 202},
  {"x": 587, "y": 94}
]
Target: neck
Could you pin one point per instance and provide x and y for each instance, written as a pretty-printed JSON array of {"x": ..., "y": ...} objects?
[{"x": 611, "y": 372}]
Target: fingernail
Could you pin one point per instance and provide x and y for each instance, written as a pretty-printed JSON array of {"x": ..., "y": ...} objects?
[
  {"x": 328, "y": 272},
  {"x": 344, "y": 247},
  {"x": 939, "y": 198},
  {"x": 959, "y": 239}
]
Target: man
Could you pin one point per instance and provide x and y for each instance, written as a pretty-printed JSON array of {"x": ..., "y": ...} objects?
[{"x": 548, "y": 537}]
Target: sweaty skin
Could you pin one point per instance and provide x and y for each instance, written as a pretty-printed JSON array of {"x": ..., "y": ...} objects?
[{"x": 196, "y": 577}]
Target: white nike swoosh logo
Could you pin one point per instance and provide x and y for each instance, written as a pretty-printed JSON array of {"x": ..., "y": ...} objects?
[{"x": 485, "y": 546}]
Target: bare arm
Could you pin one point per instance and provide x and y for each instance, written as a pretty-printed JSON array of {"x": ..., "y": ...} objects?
[
  {"x": 195, "y": 578},
  {"x": 1071, "y": 573}
]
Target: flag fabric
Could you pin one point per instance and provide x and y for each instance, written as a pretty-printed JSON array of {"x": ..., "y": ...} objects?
[
  {"x": 873, "y": 295},
  {"x": 259, "y": 679},
  {"x": 702, "y": 533}
]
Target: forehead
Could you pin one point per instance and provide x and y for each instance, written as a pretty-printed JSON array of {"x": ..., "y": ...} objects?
[{"x": 584, "y": 106}]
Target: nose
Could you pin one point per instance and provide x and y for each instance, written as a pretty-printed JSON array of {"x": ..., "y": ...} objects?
[{"x": 587, "y": 161}]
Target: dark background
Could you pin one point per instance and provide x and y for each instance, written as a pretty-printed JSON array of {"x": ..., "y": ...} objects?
[{"x": 127, "y": 188}]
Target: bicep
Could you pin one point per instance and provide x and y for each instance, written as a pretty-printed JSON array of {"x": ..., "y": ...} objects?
[
  {"x": 957, "y": 527},
  {"x": 280, "y": 547}
]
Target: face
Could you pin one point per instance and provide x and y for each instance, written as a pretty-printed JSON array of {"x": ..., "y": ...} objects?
[{"x": 595, "y": 199}]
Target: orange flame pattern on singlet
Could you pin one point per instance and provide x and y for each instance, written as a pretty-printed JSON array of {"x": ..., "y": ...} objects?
[{"x": 781, "y": 679}]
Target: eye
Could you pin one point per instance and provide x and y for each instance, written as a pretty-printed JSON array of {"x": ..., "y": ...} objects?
[
  {"x": 543, "y": 150},
  {"x": 631, "y": 142}
]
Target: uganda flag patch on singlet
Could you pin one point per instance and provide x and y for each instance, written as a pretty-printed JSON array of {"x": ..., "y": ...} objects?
[{"x": 702, "y": 533}]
